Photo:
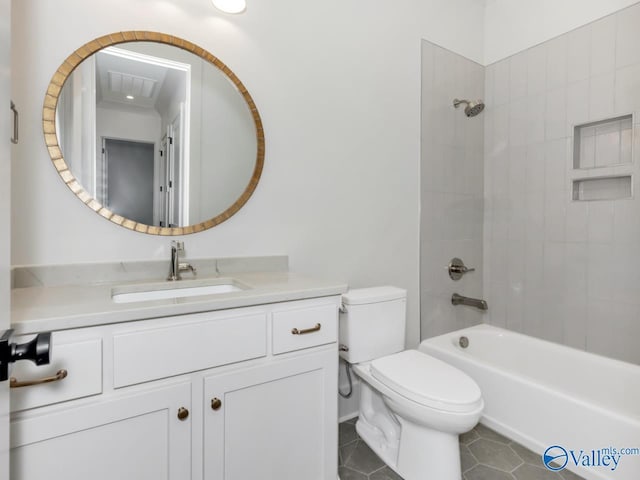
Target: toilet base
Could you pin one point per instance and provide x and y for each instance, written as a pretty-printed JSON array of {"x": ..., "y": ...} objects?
[
  {"x": 413, "y": 451},
  {"x": 421, "y": 454},
  {"x": 388, "y": 452},
  {"x": 426, "y": 454},
  {"x": 377, "y": 426}
]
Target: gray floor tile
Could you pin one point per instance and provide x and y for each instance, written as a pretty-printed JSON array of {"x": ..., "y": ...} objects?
[
  {"x": 346, "y": 433},
  {"x": 486, "y": 432},
  {"x": 531, "y": 472},
  {"x": 385, "y": 474},
  {"x": 346, "y": 473},
  {"x": 484, "y": 455},
  {"x": 467, "y": 460},
  {"x": 483, "y": 472},
  {"x": 467, "y": 438},
  {"x": 346, "y": 450},
  {"x": 527, "y": 455},
  {"x": 495, "y": 454},
  {"x": 568, "y": 475},
  {"x": 363, "y": 459}
]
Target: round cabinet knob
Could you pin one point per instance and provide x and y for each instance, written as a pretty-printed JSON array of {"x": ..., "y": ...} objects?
[
  {"x": 183, "y": 413},
  {"x": 216, "y": 403}
]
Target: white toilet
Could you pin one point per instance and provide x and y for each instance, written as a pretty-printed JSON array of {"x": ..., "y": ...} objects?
[{"x": 412, "y": 406}]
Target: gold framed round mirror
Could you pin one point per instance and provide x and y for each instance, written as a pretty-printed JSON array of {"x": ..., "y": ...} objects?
[{"x": 153, "y": 133}]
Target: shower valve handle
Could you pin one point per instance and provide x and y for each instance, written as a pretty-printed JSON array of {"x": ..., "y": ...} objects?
[
  {"x": 457, "y": 269},
  {"x": 461, "y": 269}
]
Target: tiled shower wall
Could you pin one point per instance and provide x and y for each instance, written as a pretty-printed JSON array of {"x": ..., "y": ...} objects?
[
  {"x": 451, "y": 188},
  {"x": 555, "y": 268}
]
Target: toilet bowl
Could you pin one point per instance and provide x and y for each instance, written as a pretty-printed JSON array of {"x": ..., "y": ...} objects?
[{"x": 412, "y": 406}]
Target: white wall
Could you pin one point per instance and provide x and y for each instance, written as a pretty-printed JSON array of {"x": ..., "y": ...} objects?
[
  {"x": 515, "y": 25},
  {"x": 229, "y": 149},
  {"x": 139, "y": 125},
  {"x": 338, "y": 87},
  {"x": 76, "y": 115}
]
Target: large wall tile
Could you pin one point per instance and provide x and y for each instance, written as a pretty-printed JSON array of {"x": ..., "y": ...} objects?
[
  {"x": 628, "y": 37},
  {"x": 601, "y": 96},
  {"x": 613, "y": 330},
  {"x": 578, "y": 54},
  {"x": 452, "y": 188},
  {"x": 603, "y": 45},
  {"x": 564, "y": 270}
]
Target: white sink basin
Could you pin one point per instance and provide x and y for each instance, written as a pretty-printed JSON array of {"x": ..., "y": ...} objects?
[{"x": 145, "y": 293}]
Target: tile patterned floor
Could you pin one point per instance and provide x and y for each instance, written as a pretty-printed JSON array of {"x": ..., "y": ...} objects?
[{"x": 484, "y": 455}]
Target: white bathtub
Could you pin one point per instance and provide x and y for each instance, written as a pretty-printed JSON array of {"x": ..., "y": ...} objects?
[{"x": 542, "y": 394}]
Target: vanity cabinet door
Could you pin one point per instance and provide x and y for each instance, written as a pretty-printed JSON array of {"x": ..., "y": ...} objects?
[
  {"x": 133, "y": 437},
  {"x": 273, "y": 422}
]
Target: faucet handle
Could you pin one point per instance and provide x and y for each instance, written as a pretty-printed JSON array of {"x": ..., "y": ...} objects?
[
  {"x": 179, "y": 246},
  {"x": 457, "y": 269},
  {"x": 183, "y": 267}
]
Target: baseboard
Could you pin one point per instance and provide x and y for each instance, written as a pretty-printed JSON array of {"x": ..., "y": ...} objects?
[{"x": 348, "y": 416}]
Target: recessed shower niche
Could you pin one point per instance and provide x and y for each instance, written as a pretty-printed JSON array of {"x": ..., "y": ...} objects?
[
  {"x": 603, "y": 144},
  {"x": 604, "y": 147},
  {"x": 602, "y": 188}
]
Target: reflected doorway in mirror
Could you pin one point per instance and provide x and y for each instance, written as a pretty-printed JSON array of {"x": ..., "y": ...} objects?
[{"x": 154, "y": 88}]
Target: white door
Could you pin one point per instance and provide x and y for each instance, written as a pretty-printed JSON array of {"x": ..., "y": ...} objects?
[{"x": 6, "y": 119}]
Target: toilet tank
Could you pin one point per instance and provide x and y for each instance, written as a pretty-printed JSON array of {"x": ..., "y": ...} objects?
[{"x": 372, "y": 323}]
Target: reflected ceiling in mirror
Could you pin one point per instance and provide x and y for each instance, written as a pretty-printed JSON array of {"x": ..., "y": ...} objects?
[{"x": 153, "y": 133}]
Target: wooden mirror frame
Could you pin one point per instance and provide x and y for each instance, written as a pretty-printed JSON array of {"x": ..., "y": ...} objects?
[{"x": 51, "y": 138}]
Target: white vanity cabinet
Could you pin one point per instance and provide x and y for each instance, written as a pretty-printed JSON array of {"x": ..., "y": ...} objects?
[
  {"x": 132, "y": 436},
  {"x": 234, "y": 394},
  {"x": 276, "y": 421}
]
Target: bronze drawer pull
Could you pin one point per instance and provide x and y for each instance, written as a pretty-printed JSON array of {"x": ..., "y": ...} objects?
[
  {"x": 14, "y": 383},
  {"x": 183, "y": 413},
  {"x": 295, "y": 331}
]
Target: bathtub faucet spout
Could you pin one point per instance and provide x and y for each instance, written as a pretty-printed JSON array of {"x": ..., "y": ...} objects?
[{"x": 471, "y": 302}]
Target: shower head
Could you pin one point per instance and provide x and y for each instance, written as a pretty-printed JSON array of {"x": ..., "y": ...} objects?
[{"x": 472, "y": 109}]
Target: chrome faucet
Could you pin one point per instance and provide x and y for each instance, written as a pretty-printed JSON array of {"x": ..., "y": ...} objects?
[{"x": 175, "y": 267}]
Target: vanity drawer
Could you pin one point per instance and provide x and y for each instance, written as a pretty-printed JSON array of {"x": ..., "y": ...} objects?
[
  {"x": 81, "y": 358},
  {"x": 198, "y": 342},
  {"x": 304, "y": 328}
]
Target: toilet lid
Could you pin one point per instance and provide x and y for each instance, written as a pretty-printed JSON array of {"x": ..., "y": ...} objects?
[{"x": 428, "y": 381}]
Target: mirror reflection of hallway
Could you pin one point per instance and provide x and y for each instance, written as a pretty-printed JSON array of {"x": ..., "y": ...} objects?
[
  {"x": 207, "y": 133},
  {"x": 127, "y": 181}
]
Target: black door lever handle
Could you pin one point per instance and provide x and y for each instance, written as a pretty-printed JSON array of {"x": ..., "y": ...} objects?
[{"x": 38, "y": 350}]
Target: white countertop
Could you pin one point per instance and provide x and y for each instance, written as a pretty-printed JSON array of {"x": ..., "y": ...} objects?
[{"x": 49, "y": 308}]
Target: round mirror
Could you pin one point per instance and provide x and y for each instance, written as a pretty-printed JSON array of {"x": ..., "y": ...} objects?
[{"x": 153, "y": 133}]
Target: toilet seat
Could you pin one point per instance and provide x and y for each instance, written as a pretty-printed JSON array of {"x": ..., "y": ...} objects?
[{"x": 428, "y": 381}]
